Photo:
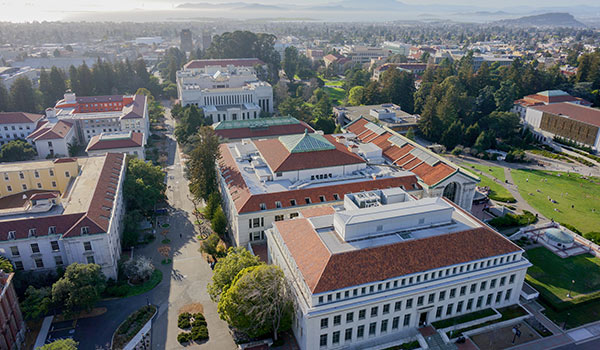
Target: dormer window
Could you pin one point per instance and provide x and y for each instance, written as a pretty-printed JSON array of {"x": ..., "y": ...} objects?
[
  {"x": 32, "y": 232},
  {"x": 278, "y": 204},
  {"x": 292, "y": 202},
  {"x": 52, "y": 230},
  {"x": 263, "y": 206},
  {"x": 307, "y": 200},
  {"x": 322, "y": 198},
  {"x": 12, "y": 235},
  {"x": 21, "y": 175},
  {"x": 336, "y": 196},
  {"x": 85, "y": 230}
]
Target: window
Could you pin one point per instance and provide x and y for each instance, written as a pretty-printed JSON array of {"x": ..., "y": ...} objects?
[
  {"x": 85, "y": 230},
  {"x": 511, "y": 279},
  {"x": 36, "y": 173},
  {"x": 263, "y": 206},
  {"x": 449, "y": 309},
  {"x": 452, "y": 293},
  {"x": 406, "y": 320},
  {"x": 9, "y": 188},
  {"x": 6, "y": 177},
  {"x": 12, "y": 234},
  {"x": 58, "y": 260},
  {"x": 52, "y": 230},
  {"x": 320, "y": 300},
  {"x": 498, "y": 297},
  {"x": 479, "y": 302},
  {"x": 438, "y": 311},
  {"x": 90, "y": 259},
  {"x": 322, "y": 198},
  {"x": 307, "y": 200},
  {"x": 292, "y": 202},
  {"x": 278, "y": 204},
  {"x": 35, "y": 248},
  {"x": 21, "y": 175},
  {"x": 397, "y": 306},
  {"x": 39, "y": 263},
  {"x": 409, "y": 303},
  {"x": 336, "y": 197},
  {"x": 53, "y": 183},
  {"x": 507, "y": 296},
  {"x": 483, "y": 285},
  {"x": 336, "y": 337},
  {"x": 361, "y": 314},
  {"x": 431, "y": 298},
  {"x": 348, "y": 334},
  {"x": 349, "y": 317},
  {"x": 470, "y": 304},
  {"x": 360, "y": 331},
  {"x": 502, "y": 281},
  {"x": 337, "y": 320},
  {"x": 293, "y": 215},
  {"x": 493, "y": 283},
  {"x": 463, "y": 290},
  {"x": 488, "y": 300},
  {"x": 32, "y": 232},
  {"x": 386, "y": 309},
  {"x": 54, "y": 245},
  {"x": 14, "y": 250},
  {"x": 473, "y": 288},
  {"x": 323, "y": 340},
  {"x": 24, "y": 186},
  {"x": 459, "y": 306},
  {"x": 279, "y": 217},
  {"x": 87, "y": 246},
  {"x": 328, "y": 297},
  {"x": 374, "y": 311},
  {"x": 39, "y": 185},
  {"x": 372, "y": 328},
  {"x": 51, "y": 172},
  {"x": 19, "y": 265},
  {"x": 255, "y": 222},
  {"x": 395, "y": 322},
  {"x": 442, "y": 295},
  {"x": 384, "y": 326},
  {"x": 420, "y": 300},
  {"x": 324, "y": 323}
]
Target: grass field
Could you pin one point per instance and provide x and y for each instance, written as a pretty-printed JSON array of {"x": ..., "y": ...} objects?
[
  {"x": 555, "y": 274},
  {"x": 583, "y": 194},
  {"x": 497, "y": 192},
  {"x": 336, "y": 94},
  {"x": 575, "y": 316},
  {"x": 495, "y": 171}
]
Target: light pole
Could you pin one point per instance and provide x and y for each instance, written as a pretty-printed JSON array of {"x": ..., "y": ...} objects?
[{"x": 572, "y": 285}]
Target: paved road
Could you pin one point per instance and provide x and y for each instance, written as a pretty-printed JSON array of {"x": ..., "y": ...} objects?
[{"x": 184, "y": 281}]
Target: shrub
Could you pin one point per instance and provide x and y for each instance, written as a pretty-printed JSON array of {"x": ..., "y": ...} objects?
[
  {"x": 510, "y": 220},
  {"x": 571, "y": 227},
  {"x": 138, "y": 269},
  {"x": 457, "y": 150},
  {"x": 209, "y": 245},
  {"x": 593, "y": 236},
  {"x": 183, "y": 337},
  {"x": 199, "y": 333},
  {"x": 117, "y": 291},
  {"x": 183, "y": 321}
]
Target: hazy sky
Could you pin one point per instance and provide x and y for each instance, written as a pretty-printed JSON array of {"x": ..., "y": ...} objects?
[{"x": 27, "y": 10}]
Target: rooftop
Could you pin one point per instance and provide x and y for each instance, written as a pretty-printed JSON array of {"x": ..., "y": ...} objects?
[
  {"x": 262, "y": 127},
  {"x": 238, "y": 62},
  {"x": 19, "y": 117},
  {"x": 387, "y": 114},
  {"x": 573, "y": 111},
  {"x": 115, "y": 140}
]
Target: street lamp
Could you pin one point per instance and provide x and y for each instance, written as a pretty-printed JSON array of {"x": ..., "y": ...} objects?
[
  {"x": 566, "y": 320},
  {"x": 572, "y": 285}
]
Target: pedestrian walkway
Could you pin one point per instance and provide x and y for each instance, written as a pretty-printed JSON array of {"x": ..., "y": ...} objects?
[{"x": 536, "y": 310}]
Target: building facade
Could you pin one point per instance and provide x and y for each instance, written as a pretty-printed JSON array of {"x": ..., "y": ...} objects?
[
  {"x": 17, "y": 125},
  {"x": 73, "y": 215},
  {"x": 52, "y": 137},
  {"x": 372, "y": 271},
  {"x": 545, "y": 98},
  {"x": 12, "y": 325},
  {"x": 363, "y": 54},
  {"x": 127, "y": 142},
  {"x": 227, "y": 89}
]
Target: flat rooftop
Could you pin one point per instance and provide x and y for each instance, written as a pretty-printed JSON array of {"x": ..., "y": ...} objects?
[
  {"x": 26, "y": 165},
  {"x": 70, "y": 113},
  {"x": 79, "y": 194},
  {"x": 355, "y": 112}
]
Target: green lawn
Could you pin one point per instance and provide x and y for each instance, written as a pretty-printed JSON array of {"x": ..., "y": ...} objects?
[
  {"x": 554, "y": 274},
  {"x": 584, "y": 194},
  {"x": 497, "y": 192},
  {"x": 336, "y": 94},
  {"x": 495, "y": 171},
  {"x": 575, "y": 316}
]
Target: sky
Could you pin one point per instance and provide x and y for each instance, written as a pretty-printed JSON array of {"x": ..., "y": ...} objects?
[{"x": 28, "y": 10}]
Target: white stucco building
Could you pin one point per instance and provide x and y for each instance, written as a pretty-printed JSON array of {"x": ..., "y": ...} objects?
[
  {"x": 373, "y": 270},
  {"x": 73, "y": 216},
  {"x": 17, "y": 125},
  {"x": 226, "y": 89},
  {"x": 128, "y": 142},
  {"x": 52, "y": 137},
  {"x": 363, "y": 54}
]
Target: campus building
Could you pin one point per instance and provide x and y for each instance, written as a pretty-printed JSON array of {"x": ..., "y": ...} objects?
[
  {"x": 268, "y": 180},
  {"x": 12, "y": 325},
  {"x": 363, "y": 54},
  {"x": 387, "y": 114},
  {"x": 567, "y": 120},
  {"x": 372, "y": 270},
  {"x": 17, "y": 125},
  {"x": 55, "y": 213},
  {"x": 226, "y": 89},
  {"x": 436, "y": 175},
  {"x": 128, "y": 142},
  {"x": 544, "y": 98},
  {"x": 261, "y": 128}
]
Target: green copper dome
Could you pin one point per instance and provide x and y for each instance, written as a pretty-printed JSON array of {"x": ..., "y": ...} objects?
[
  {"x": 559, "y": 236},
  {"x": 306, "y": 142}
]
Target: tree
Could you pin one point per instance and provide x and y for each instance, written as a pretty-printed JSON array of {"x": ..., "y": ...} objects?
[
  {"x": 61, "y": 344},
  {"x": 22, "y": 98},
  {"x": 80, "y": 288},
  {"x": 17, "y": 150},
  {"x": 131, "y": 232},
  {"x": 191, "y": 120},
  {"x": 144, "y": 185},
  {"x": 259, "y": 301},
  {"x": 37, "y": 302},
  {"x": 290, "y": 62},
  {"x": 227, "y": 268},
  {"x": 410, "y": 134},
  {"x": 85, "y": 81},
  {"x": 372, "y": 95},
  {"x": 201, "y": 168},
  {"x": 212, "y": 204},
  {"x": 73, "y": 78},
  {"x": 453, "y": 135},
  {"x": 6, "y": 265},
  {"x": 138, "y": 269},
  {"x": 356, "y": 95},
  {"x": 218, "y": 222},
  {"x": 296, "y": 108},
  {"x": 483, "y": 142},
  {"x": 399, "y": 88},
  {"x": 323, "y": 108},
  {"x": 210, "y": 244},
  {"x": 4, "y": 99},
  {"x": 505, "y": 96}
]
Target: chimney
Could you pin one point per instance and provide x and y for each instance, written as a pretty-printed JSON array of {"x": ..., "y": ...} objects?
[
  {"x": 70, "y": 97},
  {"x": 50, "y": 113}
]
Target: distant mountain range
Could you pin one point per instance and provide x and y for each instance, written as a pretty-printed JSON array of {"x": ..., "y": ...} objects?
[{"x": 555, "y": 19}]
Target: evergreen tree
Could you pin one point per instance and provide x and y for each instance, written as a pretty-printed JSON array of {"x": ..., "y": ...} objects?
[
  {"x": 58, "y": 84},
  {"x": 85, "y": 81},
  {"x": 399, "y": 88},
  {"x": 45, "y": 88},
  {"x": 290, "y": 62},
  {"x": 4, "y": 99},
  {"x": 73, "y": 79},
  {"x": 22, "y": 97}
]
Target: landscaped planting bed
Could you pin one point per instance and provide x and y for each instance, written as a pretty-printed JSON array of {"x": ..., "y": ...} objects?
[
  {"x": 508, "y": 313},
  {"x": 194, "y": 325},
  {"x": 132, "y": 325},
  {"x": 463, "y": 318}
]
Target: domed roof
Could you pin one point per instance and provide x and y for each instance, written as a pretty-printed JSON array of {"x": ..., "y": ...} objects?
[{"x": 559, "y": 236}]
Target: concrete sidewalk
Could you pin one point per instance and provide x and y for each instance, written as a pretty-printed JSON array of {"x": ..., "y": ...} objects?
[{"x": 573, "y": 336}]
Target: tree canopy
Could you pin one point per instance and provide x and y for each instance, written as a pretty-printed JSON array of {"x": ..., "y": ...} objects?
[
  {"x": 80, "y": 287},
  {"x": 61, "y": 344},
  {"x": 227, "y": 268},
  {"x": 17, "y": 150},
  {"x": 201, "y": 168},
  {"x": 144, "y": 185}
]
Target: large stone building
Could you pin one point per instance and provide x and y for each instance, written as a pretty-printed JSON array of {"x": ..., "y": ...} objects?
[
  {"x": 363, "y": 54},
  {"x": 78, "y": 119},
  {"x": 12, "y": 326},
  {"x": 55, "y": 213},
  {"x": 437, "y": 176},
  {"x": 17, "y": 125},
  {"x": 544, "y": 98},
  {"x": 567, "y": 120},
  {"x": 371, "y": 271},
  {"x": 262, "y": 128},
  {"x": 226, "y": 89}
]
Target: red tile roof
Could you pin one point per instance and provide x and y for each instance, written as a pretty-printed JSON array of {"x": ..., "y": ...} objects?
[
  {"x": 96, "y": 218},
  {"x": 46, "y": 131},
  {"x": 275, "y": 130},
  {"x": 401, "y": 156},
  {"x": 19, "y": 117},
  {"x": 237, "y": 62},
  {"x": 324, "y": 271},
  {"x": 43, "y": 195},
  {"x": 136, "y": 139},
  {"x": 65, "y": 160},
  {"x": 99, "y": 99},
  {"x": 317, "y": 211},
  {"x": 280, "y": 159},
  {"x": 583, "y": 114},
  {"x": 246, "y": 202}
]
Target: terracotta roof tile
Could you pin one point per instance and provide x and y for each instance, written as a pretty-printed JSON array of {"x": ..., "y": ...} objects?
[
  {"x": 317, "y": 211},
  {"x": 238, "y": 62},
  {"x": 97, "y": 143},
  {"x": 19, "y": 117},
  {"x": 274, "y": 130}
]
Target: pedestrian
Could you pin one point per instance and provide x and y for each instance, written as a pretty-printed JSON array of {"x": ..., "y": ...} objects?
[{"x": 180, "y": 235}]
